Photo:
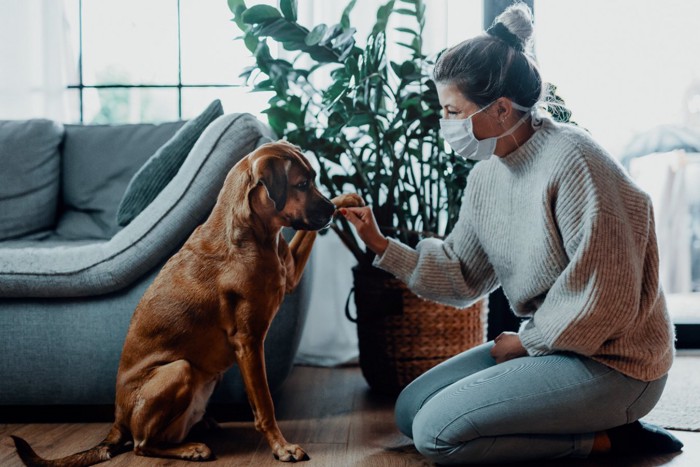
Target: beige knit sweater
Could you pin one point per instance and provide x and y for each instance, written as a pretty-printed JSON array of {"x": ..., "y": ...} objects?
[{"x": 570, "y": 238}]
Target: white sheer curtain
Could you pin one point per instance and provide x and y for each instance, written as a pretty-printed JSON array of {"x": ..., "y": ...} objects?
[
  {"x": 664, "y": 177},
  {"x": 329, "y": 338},
  {"x": 34, "y": 59}
]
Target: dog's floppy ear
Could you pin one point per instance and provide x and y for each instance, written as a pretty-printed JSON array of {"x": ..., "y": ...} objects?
[{"x": 271, "y": 172}]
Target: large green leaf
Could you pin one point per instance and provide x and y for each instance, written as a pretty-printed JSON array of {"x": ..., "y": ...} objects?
[
  {"x": 322, "y": 54},
  {"x": 350, "y": 49},
  {"x": 316, "y": 34},
  {"x": 345, "y": 18},
  {"x": 331, "y": 33},
  {"x": 335, "y": 123},
  {"x": 289, "y": 9},
  {"x": 407, "y": 31},
  {"x": 236, "y": 6},
  {"x": 260, "y": 14},
  {"x": 277, "y": 119},
  {"x": 344, "y": 39},
  {"x": 282, "y": 30},
  {"x": 383, "y": 14},
  {"x": 359, "y": 119},
  {"x": 405, "y": 11},
  {"x": 251, "y": 42}
]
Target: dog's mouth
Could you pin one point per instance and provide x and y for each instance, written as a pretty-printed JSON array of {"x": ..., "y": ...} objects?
[
  {"x": 316, "y": 223},
  {"x": 317, "y": 218}
]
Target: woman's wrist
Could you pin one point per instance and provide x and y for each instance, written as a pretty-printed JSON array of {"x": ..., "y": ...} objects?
[{"x": 380, "y": 245}]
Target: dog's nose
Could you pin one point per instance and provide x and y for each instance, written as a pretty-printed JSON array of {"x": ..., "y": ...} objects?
[{"x": 332, "y": 207}]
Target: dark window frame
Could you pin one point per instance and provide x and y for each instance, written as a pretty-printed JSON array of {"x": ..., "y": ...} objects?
[{"x": 81, "y": 86}]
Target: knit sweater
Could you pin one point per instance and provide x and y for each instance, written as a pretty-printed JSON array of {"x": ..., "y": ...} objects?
[{"x": 570, "y": 238}]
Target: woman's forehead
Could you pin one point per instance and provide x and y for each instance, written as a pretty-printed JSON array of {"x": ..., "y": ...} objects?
[{"x": 449, "y": 94}]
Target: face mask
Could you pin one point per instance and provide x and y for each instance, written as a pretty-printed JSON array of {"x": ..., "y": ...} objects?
[{"x": 459, "y": 134}]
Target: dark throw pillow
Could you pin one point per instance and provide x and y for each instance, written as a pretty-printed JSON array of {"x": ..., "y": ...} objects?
[{"x": 163, "y": 165}]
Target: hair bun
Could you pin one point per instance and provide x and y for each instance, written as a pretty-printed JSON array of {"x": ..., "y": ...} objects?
[{"x": 517, "y": 22}]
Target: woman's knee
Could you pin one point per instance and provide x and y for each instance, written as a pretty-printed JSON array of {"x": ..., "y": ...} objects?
[
  {"x": 447, "y": 442},
  {"x": 430, "y": 383},
  {"x": 405, "y": 410}
]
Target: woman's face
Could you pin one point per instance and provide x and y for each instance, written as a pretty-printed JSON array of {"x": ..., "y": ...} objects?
[{"x": 456, "y": 106}]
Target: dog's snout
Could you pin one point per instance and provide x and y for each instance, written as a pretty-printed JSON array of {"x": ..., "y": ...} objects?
[{"x": 329, "y": 207}]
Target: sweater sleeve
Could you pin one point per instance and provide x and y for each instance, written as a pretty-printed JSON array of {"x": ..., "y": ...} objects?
[
  {"x": 455, "y": 271},
  {"x": 606, "y": 228}
]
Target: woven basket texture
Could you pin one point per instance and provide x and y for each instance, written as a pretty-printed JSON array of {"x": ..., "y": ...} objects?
[{"x": 401, "y": 335}]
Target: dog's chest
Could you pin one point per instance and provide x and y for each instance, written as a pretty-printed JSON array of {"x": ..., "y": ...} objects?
[{"x": 270, "y": 290}]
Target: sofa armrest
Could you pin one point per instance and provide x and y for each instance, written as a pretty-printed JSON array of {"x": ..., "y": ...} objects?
[{"x": 156, "y": 233}]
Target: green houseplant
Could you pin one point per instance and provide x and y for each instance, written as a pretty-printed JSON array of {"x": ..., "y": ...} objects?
[{"x": 374, "y": 128}]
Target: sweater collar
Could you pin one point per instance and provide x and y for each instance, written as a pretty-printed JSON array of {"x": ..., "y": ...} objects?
[{"x": 525, "y": 154}]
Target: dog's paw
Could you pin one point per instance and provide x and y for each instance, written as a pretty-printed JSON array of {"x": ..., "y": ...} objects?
[
  {"x": 290, "y": 453},
  {"x": 197, "y": 452},
  {"x": 348, "y": 200}
]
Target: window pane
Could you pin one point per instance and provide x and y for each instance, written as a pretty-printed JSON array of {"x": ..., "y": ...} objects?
[
  {"x": 130, "y": 105},
  {"x": 72, "y": 17},
  {"x": 621, "y": 78},
  {"x": 464, "y": 19},
  {"x": 234, "y": 100},
  {"x": 130, "y": 42},
  {"x": 210, "y": 55},
  {"x": 73, "y": 105}
]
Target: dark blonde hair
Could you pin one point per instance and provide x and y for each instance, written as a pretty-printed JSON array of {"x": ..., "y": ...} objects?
[{"x": 495, "y": 64}]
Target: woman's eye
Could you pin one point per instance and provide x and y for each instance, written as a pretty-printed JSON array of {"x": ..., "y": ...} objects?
[
  {"x": 452, "y": 112},
  {"x": 303, "y": 185}
]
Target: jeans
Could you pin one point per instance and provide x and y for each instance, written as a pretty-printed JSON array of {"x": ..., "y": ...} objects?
[{"x": 469, "y": 409}]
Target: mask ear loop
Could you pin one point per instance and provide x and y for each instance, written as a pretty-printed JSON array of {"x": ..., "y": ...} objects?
[
  {"x": 515, "y": 105},
  {"x": 511, "y": 130}
]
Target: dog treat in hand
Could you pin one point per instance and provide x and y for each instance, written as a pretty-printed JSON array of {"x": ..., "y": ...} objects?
[{"x": 347, "y": 200}]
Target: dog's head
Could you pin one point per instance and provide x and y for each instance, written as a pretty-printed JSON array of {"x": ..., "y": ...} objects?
[{"x": 283, "y": 188}]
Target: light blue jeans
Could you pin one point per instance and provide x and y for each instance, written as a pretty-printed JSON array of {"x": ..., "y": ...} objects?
[{"x": 470, "y": 410}]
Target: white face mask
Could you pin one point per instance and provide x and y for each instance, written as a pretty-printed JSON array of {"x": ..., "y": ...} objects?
[{"x": 459, "y": 134}]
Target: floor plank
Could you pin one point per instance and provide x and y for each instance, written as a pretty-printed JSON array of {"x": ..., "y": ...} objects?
[{"x": 329, "y": 412}]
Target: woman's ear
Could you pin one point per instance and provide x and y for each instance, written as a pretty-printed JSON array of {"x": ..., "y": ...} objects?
[{"x": 504, "y": 109}]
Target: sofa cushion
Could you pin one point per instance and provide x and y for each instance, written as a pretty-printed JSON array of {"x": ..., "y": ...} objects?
[
  {"x": 29, "y": 175},
  {"x": 98, "y": 162},
  {"x": 99, "y": 267},
  {"x": 162, "y": 166}
]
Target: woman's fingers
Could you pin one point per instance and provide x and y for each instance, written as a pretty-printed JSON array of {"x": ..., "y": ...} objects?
[
  {"x": 357, "y": 216},
  {"x": 363, "y": 220}
]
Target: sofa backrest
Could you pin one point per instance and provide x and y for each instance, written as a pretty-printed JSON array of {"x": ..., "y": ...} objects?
[
  {"x": 97, "y": 163},
  {"x": 29, "y": 175}
]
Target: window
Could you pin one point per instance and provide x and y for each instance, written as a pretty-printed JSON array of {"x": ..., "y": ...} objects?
[
  {"x": 154, "y": 61},
  {"x": 158, "y": 60}
]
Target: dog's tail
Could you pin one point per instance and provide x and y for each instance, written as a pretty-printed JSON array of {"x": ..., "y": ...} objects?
[{"x": 113, "y": 444}]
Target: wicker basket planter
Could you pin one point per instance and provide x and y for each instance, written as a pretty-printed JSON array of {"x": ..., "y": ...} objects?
[{"x": 402, "y": 335}]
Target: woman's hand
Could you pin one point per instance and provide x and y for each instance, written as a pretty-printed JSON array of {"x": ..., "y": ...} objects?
[
  {"x": 367, "y": 228},
  {"x": 508, "y": 346}
]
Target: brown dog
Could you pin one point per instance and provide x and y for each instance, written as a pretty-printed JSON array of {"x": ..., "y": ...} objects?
[{"x": 210, "y": 307}]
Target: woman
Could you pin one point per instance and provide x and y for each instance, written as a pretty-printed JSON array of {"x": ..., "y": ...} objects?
[{"x": 556, "y": 222}]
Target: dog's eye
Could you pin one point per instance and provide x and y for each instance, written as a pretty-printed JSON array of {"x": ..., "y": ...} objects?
[{"x": 303, "y": 186}]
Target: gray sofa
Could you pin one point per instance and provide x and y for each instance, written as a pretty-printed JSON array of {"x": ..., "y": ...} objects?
[{"x": 67, "y": 292}]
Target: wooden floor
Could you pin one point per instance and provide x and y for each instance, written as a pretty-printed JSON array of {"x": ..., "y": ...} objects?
[{"x": 329, "y": 412}]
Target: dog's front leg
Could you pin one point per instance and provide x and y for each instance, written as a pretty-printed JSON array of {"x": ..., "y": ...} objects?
[
  {"x": 302, "y": 242},
  {"x": 251, "y": 361},
  {"x": 299, "y": 252}
]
